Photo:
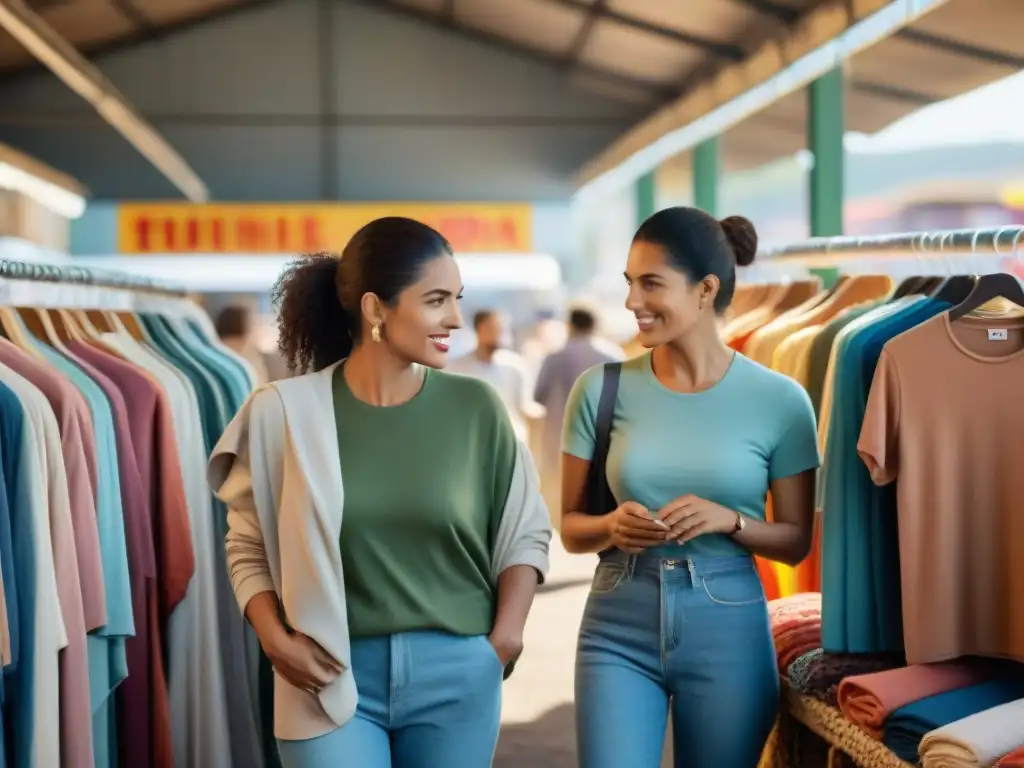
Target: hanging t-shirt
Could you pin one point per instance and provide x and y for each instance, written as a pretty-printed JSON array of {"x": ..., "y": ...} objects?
[
  {"x": 945, "y": 418},
  {"x": 47, "y": 573},
  {"x": 79, "y": 567}
]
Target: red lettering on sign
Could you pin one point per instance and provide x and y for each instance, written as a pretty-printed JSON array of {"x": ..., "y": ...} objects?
[
  {"x": 311, "y": 241},
  {"x": 169, "y": 234},
  {"x": 507, "y": 233},
  {"x": 217, "y": 234},
  {"x": 142, "y": 233},
  {"x": 250, "y": 234},
  {"x": 191, "y": 235}
]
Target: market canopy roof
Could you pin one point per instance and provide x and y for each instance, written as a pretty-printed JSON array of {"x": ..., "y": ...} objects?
[{"x": 675, "y": 60}]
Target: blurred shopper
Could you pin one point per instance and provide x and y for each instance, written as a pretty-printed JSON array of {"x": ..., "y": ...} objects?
[
  {"x": 500, "y": 367},
  {"x": 547, "y": 335},
  {"x": 676, "y": 623},
  {"x": 559, "y": 371},
  {"x": 419, "y": 598},
  {"x": 236, "y": 329}
]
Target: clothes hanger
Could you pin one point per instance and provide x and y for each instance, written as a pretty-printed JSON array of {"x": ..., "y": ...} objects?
[
  {"x": 131, "y": 325},
  {"x": 953, "y": 289},
  {"x": 995, "y": 286},
  {"x": 909, "y": 287}
]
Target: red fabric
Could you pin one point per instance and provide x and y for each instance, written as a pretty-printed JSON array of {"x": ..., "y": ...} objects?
[
  {"x": 796, "y": 626},
  {"x": 1013, "y": 760}
]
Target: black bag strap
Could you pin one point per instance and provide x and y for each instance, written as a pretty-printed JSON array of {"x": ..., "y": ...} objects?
[{"x": 599, "y": 496}]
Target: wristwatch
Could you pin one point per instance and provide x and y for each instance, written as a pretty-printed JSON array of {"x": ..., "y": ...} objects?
[{"x": 741, "y": 523}]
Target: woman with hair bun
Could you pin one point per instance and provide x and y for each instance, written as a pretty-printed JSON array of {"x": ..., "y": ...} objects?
[
  {"x": 386, "y": 529},
  {"x": 676, "y": 624}
]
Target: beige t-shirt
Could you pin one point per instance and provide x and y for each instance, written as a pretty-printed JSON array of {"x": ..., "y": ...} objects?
[{"x": 945, "y": 417}]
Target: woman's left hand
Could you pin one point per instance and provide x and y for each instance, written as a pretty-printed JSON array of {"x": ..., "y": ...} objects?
[
  {"x": 508, "y": 648},
  {"x": 691, "y": 516}
]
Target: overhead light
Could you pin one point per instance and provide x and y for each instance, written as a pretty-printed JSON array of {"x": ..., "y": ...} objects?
[
  {"x": 29, "y": 29},
  {"x": 60, "y": 201}
]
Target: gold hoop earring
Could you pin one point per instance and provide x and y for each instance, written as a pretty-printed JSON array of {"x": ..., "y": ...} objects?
[{"x": 375, "y": 333}]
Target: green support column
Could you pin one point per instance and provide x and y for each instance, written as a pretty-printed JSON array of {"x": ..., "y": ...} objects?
[
  {"x": 645, "y": 190},
  {"x": 826, "y": 126},
  {"x": 705, "y": 175}
]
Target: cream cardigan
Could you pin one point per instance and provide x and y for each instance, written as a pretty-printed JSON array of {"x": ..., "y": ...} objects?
[{"x": 277, "y": 469}]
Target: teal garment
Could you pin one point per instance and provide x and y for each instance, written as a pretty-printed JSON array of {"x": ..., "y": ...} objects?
[
  {"x": 251, "y": 743},
  {"x": 233, "y": 364},
  {"x": 108, "y": 665},
  {"x": 833, "y": 493},
  {"x": 233, "y": 387},
  {"x": 860, "y": 559},
  {"x": 725, "y": 444},
  {"x": 247, "y": 676},
  {"x": 172, "y": 348}
]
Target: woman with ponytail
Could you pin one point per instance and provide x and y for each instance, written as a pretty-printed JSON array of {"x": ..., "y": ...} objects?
[
  {"x": 676, "y": 624},
  {"x": 386, "y": 529}
]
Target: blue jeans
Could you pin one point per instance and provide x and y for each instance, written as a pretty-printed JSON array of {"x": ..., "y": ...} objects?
[
  {"x": 426, "y": 699},
  {"x": 692, "y": 634}
]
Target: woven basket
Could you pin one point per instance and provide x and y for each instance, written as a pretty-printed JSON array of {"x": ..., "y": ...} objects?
[{"x": 845, "y": 738}]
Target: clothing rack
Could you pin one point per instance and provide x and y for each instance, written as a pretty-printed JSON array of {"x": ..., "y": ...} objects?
[
  {"x": 85, "y": 276},
  {"x": 73, "y": 287},
  {"x": 938, "y": 252}
]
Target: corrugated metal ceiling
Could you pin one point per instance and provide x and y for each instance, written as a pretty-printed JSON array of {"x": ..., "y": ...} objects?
[{"x": 648, "y": 52}]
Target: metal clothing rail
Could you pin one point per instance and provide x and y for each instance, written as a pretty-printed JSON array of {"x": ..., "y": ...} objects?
[
  {"x": 901, "y": 255},
  {"x": 87, "y": 277},
  {"x": 1001, "y": 240}
]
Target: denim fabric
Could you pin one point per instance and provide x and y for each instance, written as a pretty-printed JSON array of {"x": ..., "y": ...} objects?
[
  {"x": 688, "y": 637},
  {"x": 426, "y": 700}
]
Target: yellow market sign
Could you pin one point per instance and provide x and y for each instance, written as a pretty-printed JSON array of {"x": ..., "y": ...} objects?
[{"x": 304, "y": 228}]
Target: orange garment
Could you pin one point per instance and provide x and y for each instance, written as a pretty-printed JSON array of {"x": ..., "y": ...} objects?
[
  {"x": 739, "y": 342},
  {"x": 766, "y": 570}
]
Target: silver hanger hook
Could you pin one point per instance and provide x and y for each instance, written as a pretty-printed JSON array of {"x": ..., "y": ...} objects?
[{"x": 995, "y": 240}]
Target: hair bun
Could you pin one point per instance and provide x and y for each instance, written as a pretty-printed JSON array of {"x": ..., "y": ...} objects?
[{"x": 742, "y": 236}]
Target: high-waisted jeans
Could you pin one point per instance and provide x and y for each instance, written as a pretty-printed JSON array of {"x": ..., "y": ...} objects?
[
  {"x": 426, "y": 700},
  {"x": 686, "y": 636}
]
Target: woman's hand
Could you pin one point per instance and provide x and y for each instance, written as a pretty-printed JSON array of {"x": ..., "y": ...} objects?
[
  {"x": 302, "y": 662},
  {"x": 691, "y": 516},
  {"x": 508, "y": 647},
  {"x": 633, "y": 528}
]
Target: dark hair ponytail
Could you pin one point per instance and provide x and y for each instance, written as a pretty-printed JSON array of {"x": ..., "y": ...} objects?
[
  {"x": 698, "y": 245},
  {"x": 318, "y": 296}
]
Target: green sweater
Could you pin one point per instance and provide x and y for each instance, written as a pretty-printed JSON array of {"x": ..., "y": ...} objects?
[{"x": 425, "y": 486}]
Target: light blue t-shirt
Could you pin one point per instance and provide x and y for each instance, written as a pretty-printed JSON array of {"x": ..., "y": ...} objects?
[{"x": 725, "y": 444}]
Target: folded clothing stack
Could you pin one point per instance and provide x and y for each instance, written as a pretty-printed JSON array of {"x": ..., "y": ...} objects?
[
  {"x": 868, "y": 700},
  {"x": 796, "y": 626},
  {"x": 907, "y": 726},
  {"x": 976, "y": 741}
]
